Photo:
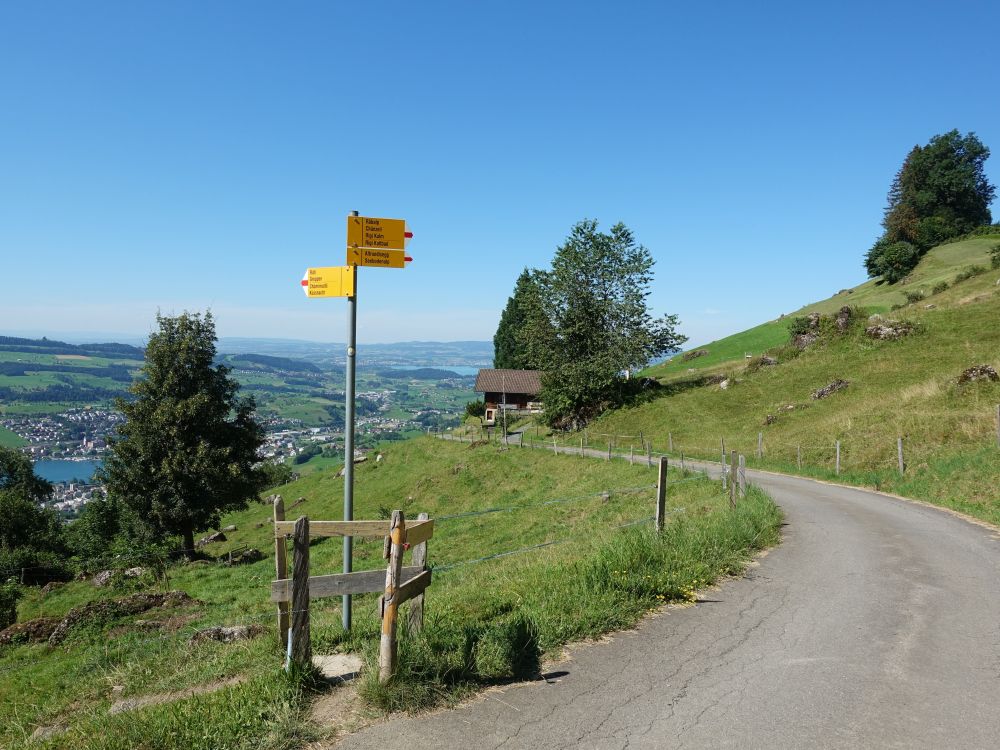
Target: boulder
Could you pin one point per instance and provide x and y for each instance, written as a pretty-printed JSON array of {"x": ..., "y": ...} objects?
[
  {"x": 227, "y": 633},
  {"x": 836, "y": 385},
  {"x": 693, "y": 354},
  {"x": 884, "y": 329},
  {"x": 978, "y": 372},
  {"x": 804, "y": 340},
  {"x": 770, "y": 419},
  {"x": 218, "y": 536},
  {"x": 843, "y": 319},
  {"x": 229, "y": 529},
  {"x": 29, "y": 631},
  {"x": 724, "y": 385},
  {"x": 51, "y": 586},
  {"x": 248, "y": 556}
]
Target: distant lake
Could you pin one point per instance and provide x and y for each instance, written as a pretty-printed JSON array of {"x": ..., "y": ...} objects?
[
  {"x": 457, "y": 369},
  {"x": 56, "y": 470}
]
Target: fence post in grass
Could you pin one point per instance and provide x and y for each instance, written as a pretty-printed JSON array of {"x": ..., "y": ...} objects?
[
  {"x": 837, "y": 468},
  {"x": 743, "y": 475},
  {"x": 683, "y": 468},
  {"x": 417, "y": 604},
  {"x": 899, "y": 455},
  {"x": 609, "y": 450},
  {"x": 661, "y": 493},
  {"x": 582, "y": 452},
  {"x": 760, "y": 445},
  {"x": 394, "y": 571},
  {"x": 998, "y": 425},
  {"x": 723, "y": 462},
  {"x": 649, "y": 453},
  {"x": 281, "y": 571},
  {"x": 732, "y": 479},
  {"x": 631, "y": 455},
  {"x": 301, "y": 643},
  {"x": 555, "y": 450},
  {"x": 798, "y": 456},
  {"x": 670, "y": 442}
]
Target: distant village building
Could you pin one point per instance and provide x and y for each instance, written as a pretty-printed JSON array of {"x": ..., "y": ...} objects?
[{"x": 515, "y": 390}]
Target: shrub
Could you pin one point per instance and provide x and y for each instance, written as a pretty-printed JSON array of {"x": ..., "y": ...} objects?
[
  {"x": 798, "y": 326},
  {"x": 939, "y": 287},
  {"x": 969, "y": 272},
  {"x": 10, "y": 592},
  {"x": 995, "y": 256},
  {"x": 892, "y": 261},
  {"x": 914, "y": 296},
  {"x": 475, "y": 409}
]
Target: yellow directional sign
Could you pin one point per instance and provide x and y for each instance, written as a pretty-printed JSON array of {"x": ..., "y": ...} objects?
[
  {"x": 329, "y": 281},
  {"x": 381, "y": 258},
  {"x": 379, "y": 234}
]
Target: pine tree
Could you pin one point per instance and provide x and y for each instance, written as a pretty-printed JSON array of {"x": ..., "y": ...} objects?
[
  {"x": 510, "y": 349},
  {"x": 188, "y": 448}
]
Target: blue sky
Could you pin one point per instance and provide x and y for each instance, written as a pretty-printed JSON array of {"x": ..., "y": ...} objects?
[{"x": 188, "y": 155}]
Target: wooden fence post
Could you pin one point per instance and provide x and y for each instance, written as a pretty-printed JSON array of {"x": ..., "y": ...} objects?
[
  {"x": 609, "y": 450},
  {"x": 631, "y": 455},
  {"x": 582, "y": 452},
  {"x": 649, "y": 453},
  {"x": 998, "y": 425},
  {"x": 555, "y": 450},
  {"x": 670, "y": 442},
  {"x": 683, "y": 467},
  {"x": 732, "y": 479},
  {"x": 899, "y": 455},
  {"x": 661, "y": 493},
  {"x": 394, "y": 571},
  {"x": 743, "y": 475},
  {"x": 760, "y": 445},
  {"x": 798, "y": 454},
  {"x": 301, "y": 641},
  {"x": 837, "y": 469},
  {"x": 281, "y": 571},
  {"x": 723, "y": 464},
  {"x": 417, "y": 605}
]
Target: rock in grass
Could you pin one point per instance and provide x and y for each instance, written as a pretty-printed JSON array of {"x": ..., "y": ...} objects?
[
  {"x": 978, "y": 372},
  {"x": 218, "y": 536},
  {"x": 227, "y": 633},
  {"x": 29, "y": 631},
  {"x": 836, "y": 385}
]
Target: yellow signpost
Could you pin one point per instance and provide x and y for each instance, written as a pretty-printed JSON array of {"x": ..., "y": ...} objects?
[
  {"x": 364, "y": 256},
  {"x": 329, "y": 281},
  {"x": 370, "y": 242},
  {"x": 378, "y": 234}
]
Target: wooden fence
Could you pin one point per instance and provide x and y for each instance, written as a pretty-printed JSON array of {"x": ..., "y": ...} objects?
[{"x": 397, "y": 583}]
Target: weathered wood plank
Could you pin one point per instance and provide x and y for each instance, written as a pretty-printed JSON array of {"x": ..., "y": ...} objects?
[
  {"x": 359, "y": 582},
  {"x": 412, "y": 587},
  {"x": 417, "y": 606},
  {"x": 419, "y": 532},
  {"x": 281, "y": 571},
  {"x": 340, "y": 528},
  {"x": 301, "y": 641},
  {"x": 388, "y": 651}
]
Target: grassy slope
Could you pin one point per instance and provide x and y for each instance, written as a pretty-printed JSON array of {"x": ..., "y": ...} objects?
[
  {"x": 940, "y": 264},
  {"x": 10, "y": 439},
  {"x": 906, "y": 388},
  {"x": 469, "y": 607}
]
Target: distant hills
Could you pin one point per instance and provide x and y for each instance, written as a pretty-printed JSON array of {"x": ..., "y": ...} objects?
[{"x": 50, "y": 346}]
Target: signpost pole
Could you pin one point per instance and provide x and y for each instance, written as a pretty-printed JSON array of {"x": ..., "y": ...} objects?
[{"x": 352, "y": 343}]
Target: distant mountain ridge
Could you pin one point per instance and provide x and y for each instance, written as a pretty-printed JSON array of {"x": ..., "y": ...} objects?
[{"x": 51, "y": 346}]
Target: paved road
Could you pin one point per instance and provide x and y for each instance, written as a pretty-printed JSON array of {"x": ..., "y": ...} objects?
[{"x": 875, "y": 624}]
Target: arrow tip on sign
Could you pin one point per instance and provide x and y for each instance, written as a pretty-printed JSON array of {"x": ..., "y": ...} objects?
[
  {"x": 408, "y": 235},
  {"x": 408, "y": 259}
]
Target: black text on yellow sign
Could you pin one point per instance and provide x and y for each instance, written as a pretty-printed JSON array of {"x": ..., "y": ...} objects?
[
  {"x": 378, "y": 234},
  {"x": 364, "y": 256},
  {"x": 329, "y": 281}
]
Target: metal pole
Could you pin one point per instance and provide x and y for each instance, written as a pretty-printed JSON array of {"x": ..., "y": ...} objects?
[{"x": 352, "y": 343}]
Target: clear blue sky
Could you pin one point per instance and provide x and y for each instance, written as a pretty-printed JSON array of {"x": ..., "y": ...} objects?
[{"x": 187, "y": 155}]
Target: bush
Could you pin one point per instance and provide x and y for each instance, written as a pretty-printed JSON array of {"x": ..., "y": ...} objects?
[
  {"x": 969, "y": 272},
  {"x": 915, "y": 296},
  {"x": 940, "y": 287},
  {"x": 10, "y": 592},
  {"x": 995, "y": 256},
  {"x": 896, "y": 260},
  {"x": 798, "y": 326},
  {"x": 475, "y": 409}
]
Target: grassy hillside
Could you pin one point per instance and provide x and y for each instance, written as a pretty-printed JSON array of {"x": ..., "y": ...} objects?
[
  {"x": 486, "y": 621},
  {"x": 907, "y": 388}
]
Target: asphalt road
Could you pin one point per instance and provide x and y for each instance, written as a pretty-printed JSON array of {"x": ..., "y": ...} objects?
[{"x": 875, "y": 624}]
